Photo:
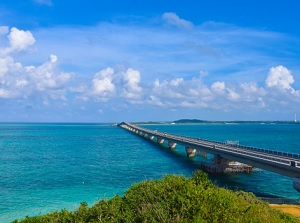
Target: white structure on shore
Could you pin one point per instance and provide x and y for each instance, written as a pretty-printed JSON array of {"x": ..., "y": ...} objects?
[{"x": 295, "y": 117}]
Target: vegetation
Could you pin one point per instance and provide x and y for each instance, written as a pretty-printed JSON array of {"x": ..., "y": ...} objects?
[{"x": 172, "y": 199}]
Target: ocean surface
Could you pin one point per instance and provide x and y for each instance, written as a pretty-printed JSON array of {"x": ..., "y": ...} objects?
[{"x": 47, "y": 167}]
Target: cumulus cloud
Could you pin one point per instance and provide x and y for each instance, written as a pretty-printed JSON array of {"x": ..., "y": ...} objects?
[
  {"x": 102, "y": 85},
  {"x": 180, "y": 92},
  {"x": 168, "y": 74},
  {"x": 7, "y": 65},
  {"x": 176, "y": 82},
  {"x": 153, "y": 100},
  {"x": 132, "y": 91},
  {"x": 218, "y": 87},
  {"x": 251, "y": 92},
  {"x": 20, "y": 39},
  {"x": 110, "y": 84},
  {"x": 22, "y": 82},
  {"x": 280, "y": 77},
  {"x": 194, "y": 93},
  {"x": 47, "y": 76},
  {"x": 173, "y": 19},
  {"x": 232, "y": 95},
  {"x": 279, "y": 91}
]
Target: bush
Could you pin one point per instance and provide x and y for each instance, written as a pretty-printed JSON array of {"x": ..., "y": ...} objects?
[{"x": 173, "y": 199}]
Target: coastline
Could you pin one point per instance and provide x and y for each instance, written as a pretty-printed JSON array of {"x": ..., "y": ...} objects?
[{"x": 292, "y": 209}]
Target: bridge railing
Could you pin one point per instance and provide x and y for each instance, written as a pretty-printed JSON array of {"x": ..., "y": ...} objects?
[{"x": 272, "y": 152}]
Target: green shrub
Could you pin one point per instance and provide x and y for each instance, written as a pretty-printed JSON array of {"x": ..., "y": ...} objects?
[{"x": 172, "y": 199}]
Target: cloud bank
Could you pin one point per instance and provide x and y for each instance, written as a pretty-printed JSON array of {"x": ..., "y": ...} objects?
[
  {"x": 212, "y": 67},
  {"x": 23, "y": 82}
]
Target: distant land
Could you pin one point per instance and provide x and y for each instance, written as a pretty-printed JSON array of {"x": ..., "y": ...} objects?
[{"x": 198, "y": 121}]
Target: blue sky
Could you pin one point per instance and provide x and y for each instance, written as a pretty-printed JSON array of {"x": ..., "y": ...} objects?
[{"x": 112, "y": 61}]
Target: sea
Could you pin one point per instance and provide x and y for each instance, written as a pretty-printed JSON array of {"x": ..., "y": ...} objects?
[{"x": 48, "y": 167}]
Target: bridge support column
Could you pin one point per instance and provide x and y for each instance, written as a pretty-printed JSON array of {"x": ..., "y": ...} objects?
[
  {"x": 160, "y": 140},
  {"x": 151, "y": 137},
  {"x": 172, "y": 145},
  {"x": 190, "y": 152},
  {"x": 222, "y": 165}
]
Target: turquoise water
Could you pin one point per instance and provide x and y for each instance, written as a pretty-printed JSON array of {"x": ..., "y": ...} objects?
[{"x": 46, "y": 167}]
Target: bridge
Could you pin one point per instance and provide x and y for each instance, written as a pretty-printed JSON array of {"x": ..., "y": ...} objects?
[{"x": 286, "y": 164}]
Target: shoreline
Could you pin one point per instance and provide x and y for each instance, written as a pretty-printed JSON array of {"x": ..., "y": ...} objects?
[{"x": 292, "y": 209}]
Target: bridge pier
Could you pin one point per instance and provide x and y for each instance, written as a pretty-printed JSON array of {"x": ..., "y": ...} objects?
[
  {"x": 222, "y": 165},
  {"x": 151, "y": 137},
  {"x": 190, "y": 152},
  {"x": 172, "y": 145},
  {"x": 160, "y": 140}
]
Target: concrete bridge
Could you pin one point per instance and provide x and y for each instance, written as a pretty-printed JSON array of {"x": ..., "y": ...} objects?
[{"x": 283, "y": 163}]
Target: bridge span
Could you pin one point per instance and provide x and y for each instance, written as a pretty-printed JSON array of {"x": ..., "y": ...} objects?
[{"x": 282, "y": 163}]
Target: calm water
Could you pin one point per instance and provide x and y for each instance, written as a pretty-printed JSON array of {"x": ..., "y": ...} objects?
[{"x": 46, "y": 167}]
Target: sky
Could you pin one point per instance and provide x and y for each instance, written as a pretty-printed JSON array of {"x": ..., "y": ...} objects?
[{"x": 140, "y": 60}]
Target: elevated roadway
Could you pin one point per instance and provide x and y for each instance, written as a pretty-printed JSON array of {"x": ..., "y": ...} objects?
[{"x": 286, "y": 164}]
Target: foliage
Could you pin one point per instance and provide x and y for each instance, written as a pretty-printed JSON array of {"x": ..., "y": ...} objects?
[{"x": 172, "y": 199}]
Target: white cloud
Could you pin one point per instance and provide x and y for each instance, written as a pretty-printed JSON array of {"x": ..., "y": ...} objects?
[
  {"x": 250, "y": 92},
  {"x": 195, "y": 94},
  {"x": 218, "y": 87},
  {"x": 180, "y": 92},
  {"x": 173, "y": 19},
  {"x": 176, "y": 82},
  {"x": 153, "y": 100},
  {"x": 280, "y": 77},
  {"x": 261, "y": 102},
  {"x": 17, "y": 81},
  {"x": 102, "y": 85},
  {"x": 132, "y": 91},
  {"x": 109, "y": 84},
  {"x": 168, "y": 65},
  {"x": 53, "y": 58},
  {"x": 7, "y": 64},
  {"x": 46, "y": 76},
  {"x": 20, "y": 39}
]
